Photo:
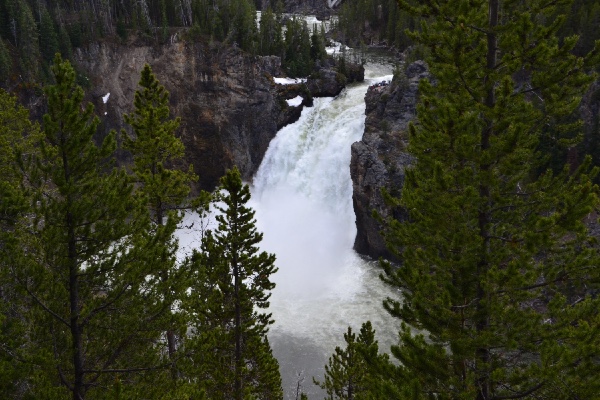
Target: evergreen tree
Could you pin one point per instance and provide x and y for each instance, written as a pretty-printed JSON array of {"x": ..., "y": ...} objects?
[
  {"x": 297, "y": 59},
  {"x": 317, "y": 45},
  {"x": 270, "y": 37},
  {"x": 230, "y": 353},
  {"x": 497, "y": 266},
  {"x": 85, "y": 258},
  {"x": 17, "y": 138},
  {"x": 5, "y": 63},
  {"x": 66, "y": 48},
  {"x": 28, "y": 41},
  {"x": 243, "y": 28},
  {"x": 348, "y": 373},
  {"x": 155, "y": 149},
  {"x": 48, "y": 37}
]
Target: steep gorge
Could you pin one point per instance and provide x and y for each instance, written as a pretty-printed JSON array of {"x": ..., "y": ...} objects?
[
  {"x": 229, "y": 105},
  {"x": 226, "y": 99}
]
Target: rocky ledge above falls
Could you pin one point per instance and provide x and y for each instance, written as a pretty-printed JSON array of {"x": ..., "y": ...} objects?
[{"x": 379, "y": 160}]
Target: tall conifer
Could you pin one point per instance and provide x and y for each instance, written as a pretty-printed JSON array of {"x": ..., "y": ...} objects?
[
  {"x": 84, "y": 258},
  {"x": 498, "y": 266},
  {"x": 165, "y": 189},
  {"x": 230, "y": 286},
  {"x": 17, "y": 138},
  {"x": 348, "y": 373}
]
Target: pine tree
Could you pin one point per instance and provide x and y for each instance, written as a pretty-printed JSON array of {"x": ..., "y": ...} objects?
[
  {"x": 348, "y": 373},
  {"x": 17, "y": 137},
  {"x": 230, "y": 285},
  {"x": 497, "y": 265},
  {"x": 297, "y": 59},
  {"x": 5, "y": 63},
  {"x": 48, "y": 37},
  {"x": 317, "y": 44},
  {"x": 270, "y": 37},
  {"x": 155, "y": 149},
  {"x": 85, "y": 257},
  {"x": 28, "y": 41}
]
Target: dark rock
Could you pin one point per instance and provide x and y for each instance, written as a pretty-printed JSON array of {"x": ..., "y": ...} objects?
[
  {"x": 354, "y": 72},
  {"x": 227, "y": 101},
  {"x": 326, "y": 83},
  {"x": 379, "y": 161},
  {"x": 319, "y": 8}
]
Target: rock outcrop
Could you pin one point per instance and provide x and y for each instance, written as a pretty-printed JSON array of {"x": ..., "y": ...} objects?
[
  {"x": 226, "y": 99},
  {"x": 323, "y": 9},
  {"x": 379, "y": 159},
  {"x": 229, "y": 104}
]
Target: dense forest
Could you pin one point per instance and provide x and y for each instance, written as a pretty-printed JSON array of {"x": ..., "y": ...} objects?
[
  {"x": 31, "y": 32},
  {"x": 382, "y": 22},
  {"x": 499, "y": 266}
]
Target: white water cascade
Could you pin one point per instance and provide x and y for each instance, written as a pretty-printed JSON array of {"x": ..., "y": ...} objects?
[{"x": 302, "y": 194}]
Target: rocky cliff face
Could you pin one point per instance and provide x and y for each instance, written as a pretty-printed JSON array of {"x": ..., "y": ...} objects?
[
  {"x": 320, "y": 8},
  {"x": 226, "y": 99},
  {"x": 379, "y": 159},
  {"x": 229, "y": 105}
]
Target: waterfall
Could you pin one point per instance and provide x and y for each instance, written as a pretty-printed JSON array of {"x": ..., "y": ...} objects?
[{"x": 302, "y": 194}]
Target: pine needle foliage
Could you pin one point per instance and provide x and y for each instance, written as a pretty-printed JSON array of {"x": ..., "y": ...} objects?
[
  {"x": 498, "y": 269},
  {"x": 230, "y": 286},
  {"x": 18, "y": 136},
  {"x": 164, "y": 188},
  {"x": 350, "y": 372},
  {"x": 84, "y": 258}
]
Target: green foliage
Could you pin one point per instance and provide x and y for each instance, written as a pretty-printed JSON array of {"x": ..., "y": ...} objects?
[
  {"x": 163, "y": 188},
  {"x": 270, "y": 35},
  {"x": 85, "y": 257},
  {"x": 17, "y": 138},
  {"x": 48, "y": 38},
  {"x": 317, "y": 45},
  {"x": 64, "y": 43},
  {"x": 297, "y": 60},
  {"x": 349, "y": 371},
  {"x": 27, "y": 41},
  {"x": 5, "y": 62},
  {"x": 155, "y": 148},
  {"x": 374, "y": 21},
  {"x": 498, "y": 269},
  {"x": 230, "y": 283}
]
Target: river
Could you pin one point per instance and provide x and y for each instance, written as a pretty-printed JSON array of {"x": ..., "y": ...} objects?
[{"x": 302, "y": 194}]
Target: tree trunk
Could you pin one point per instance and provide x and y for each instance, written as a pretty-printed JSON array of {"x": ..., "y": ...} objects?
[
  {"x": 76, "y": 331},
  {"x": 482, "y": 354},
  {"x": 238, "y": 331},
  {"x": 164, "y": 277}
]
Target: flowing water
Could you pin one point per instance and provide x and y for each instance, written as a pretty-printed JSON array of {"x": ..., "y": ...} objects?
[{"x": 302, "y": 194}]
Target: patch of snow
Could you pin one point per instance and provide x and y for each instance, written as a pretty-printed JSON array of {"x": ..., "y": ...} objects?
[
  {"x": 105, "y": 97},
  {"x": 336, "y": 48},
  {"x": 296, "y": 101},
  {"x": 288, "y": 81}
]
